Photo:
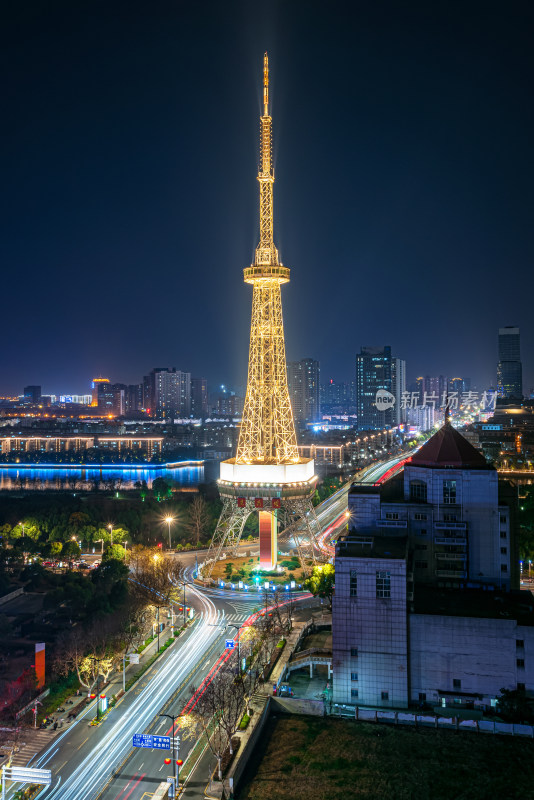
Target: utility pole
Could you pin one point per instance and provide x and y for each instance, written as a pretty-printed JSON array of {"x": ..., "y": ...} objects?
[{"x": 173, "y": 718}]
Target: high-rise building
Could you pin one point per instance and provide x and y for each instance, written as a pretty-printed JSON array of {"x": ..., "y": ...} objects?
[
  {"x": 509, "y": 368},
  {"x": 267, "y": 473},
  {"x": 304, "y": 389},
  {"x": 32, "y": 394},
  {"x": 134, "y": 397},
  {"x": 199, "y": 397},
  {"x": 172, "y": 397},
  {"x": 111, "y": 398},
  {"x": 380, "y": 382},
  {"x": 95, "y": 384}
]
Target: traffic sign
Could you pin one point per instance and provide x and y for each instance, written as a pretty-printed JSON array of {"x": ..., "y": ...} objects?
[
  {"x": 134, "y": 658},
  {"x": 229, "y": 644},
  {"x": 147, "y": 740},
  {"x": 28, "y": 775}
]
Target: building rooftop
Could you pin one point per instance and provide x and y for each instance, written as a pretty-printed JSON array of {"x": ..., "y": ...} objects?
[
  {"x": 448, "y": 448},
  {"x": 353, "y": 545},
  {"x": 518, "y": 605}
]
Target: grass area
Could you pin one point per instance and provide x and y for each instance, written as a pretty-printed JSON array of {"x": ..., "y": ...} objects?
[
  {"x": 237, "y": 569},
  {"x": 307, "y": 758}
]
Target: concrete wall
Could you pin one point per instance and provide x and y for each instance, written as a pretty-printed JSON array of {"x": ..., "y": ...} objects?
[
  {"x": 296, "y": 705},
  {"x": 480, "y": 653},
  {"x": 377, "y": 628}
]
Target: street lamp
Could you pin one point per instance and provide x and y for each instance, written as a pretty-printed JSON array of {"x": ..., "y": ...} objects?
[
  {"x": 124, "y": 545},
  {"x": 22, "y": 525},
  {"x": 173, "y": 718},
  {"x": 110, "y": 526},
  {"x": 169, "y": 521}
]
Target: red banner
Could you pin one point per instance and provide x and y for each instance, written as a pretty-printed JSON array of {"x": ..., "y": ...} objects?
[
  {"x": 276, "y": 502},
  {"x": 241, "y": 502},
  {"x": 258, "y": 502}
]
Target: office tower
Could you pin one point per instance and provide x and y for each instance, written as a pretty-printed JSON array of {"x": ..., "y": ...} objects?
[
  {"x": 111, "y": 398},
  {"x": 509, "y": 368},
  {"x": 95, "y": 384},
  {"x": 199, "y": 397},
  {"x": 134, "y": 397},
  {"x": 380, "y": 382},
  {"x": 32, "y": 394}
]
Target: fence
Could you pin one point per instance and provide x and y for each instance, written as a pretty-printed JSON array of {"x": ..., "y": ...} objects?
[{"x": 432, "y": 721}]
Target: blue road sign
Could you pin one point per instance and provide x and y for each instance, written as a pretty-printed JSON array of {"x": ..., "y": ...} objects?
[
  {"x": 229, "y": 644},
  {"x": 147, "y": 740}
]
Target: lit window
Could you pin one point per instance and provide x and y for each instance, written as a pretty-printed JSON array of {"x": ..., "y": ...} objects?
[
  {"x": 449, "y": 492},
  {"x": 383, "y": 584}
]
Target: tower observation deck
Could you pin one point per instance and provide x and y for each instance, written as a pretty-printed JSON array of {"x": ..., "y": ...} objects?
[{"x": 266, "y": 474}]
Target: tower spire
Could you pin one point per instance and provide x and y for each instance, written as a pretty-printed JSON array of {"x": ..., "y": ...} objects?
[{"x": 265, "y": 85}]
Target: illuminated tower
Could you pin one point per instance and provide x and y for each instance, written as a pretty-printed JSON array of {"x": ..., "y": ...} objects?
[{"x": 267, "y": 474}]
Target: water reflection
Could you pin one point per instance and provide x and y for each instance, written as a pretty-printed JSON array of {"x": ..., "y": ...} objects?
[{"x": 79, "y": 478}]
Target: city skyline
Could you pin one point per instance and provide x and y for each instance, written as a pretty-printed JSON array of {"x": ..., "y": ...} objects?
[{"x": 114, "y": 215}]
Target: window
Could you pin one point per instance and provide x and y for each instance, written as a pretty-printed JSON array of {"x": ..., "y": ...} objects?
[
  {"x": 503, "y": 534},
  {"x": 456, "y": 683},
  {"x": 354, "y": 693},
  {"x": 353, "y": 583},
  {"x": 520, "y": 663},
  {"x": 383, "y": 584},
  {"x": 519, "y": 643},
  {"x": 503, "y": 520},
  {"x": 521, "y": 687},
  {"x": 421, "y": 564},
  {"x": 354, "y": 652},
  {"x": 423, "y": 531},
  {"x": 354, "y": 676},
  {"x": 503, "y": 551},
  {"x": 392, "y": 515},
  {"x": 504, "y": 567},
  {"x": 418, "y": 491},
  {"x": 449, "y": 492},
  {"x": 422, "y": 697},
  {"x": 419, "y": 516},
  {"x": 421, "y": 546},
  {"x": 385, "y": 695},
  {"x": 449, "y": 518}
]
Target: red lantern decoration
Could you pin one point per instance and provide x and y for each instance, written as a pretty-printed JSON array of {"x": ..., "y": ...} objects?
[{"x": 167, "y": 761}]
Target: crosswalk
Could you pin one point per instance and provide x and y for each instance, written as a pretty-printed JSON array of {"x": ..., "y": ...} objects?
[{"x": 31, "y": 742}]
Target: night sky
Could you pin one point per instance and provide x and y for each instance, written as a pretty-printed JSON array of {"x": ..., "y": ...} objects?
[{"x": 404, "y": 137}]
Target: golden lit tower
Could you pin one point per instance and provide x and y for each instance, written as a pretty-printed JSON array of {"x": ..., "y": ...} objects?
[{"x": 267, "y": 474}]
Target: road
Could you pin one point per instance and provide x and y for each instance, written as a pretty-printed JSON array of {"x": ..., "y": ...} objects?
[{"x": 98, "y": 762}]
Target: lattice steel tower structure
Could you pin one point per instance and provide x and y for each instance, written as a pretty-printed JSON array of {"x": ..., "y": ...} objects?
[{"x": 267, "y": 474}]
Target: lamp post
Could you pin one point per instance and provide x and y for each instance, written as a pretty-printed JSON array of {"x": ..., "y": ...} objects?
[
  {"x": 124, "y": 545},
  {"x": 22, "y": 525},
  {"x": 102, "y": 545},
  {"x": 110, "y": 526},
  {"x": 169, "y": 521},
  {"x": 238, "y": 628},
  {"x": 173, "y": 718}
]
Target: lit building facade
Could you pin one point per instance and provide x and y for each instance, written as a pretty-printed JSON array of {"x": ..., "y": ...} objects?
[
  {"x": 377, "y": 369},
  {"x": 509, "y": 368},
  {"x": 303, "y": 379}
]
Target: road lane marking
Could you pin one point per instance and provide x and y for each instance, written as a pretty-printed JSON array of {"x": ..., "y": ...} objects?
[{"x": 82, "y": 744}]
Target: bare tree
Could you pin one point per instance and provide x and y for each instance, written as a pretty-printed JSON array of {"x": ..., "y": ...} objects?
[{"x": 199, "y": 518}]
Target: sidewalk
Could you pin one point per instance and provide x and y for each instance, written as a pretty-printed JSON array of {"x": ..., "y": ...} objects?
[{"x": 34, "y": 740}]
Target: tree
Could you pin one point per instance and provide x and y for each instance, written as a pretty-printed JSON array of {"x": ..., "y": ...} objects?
[
  {"x": 161, "y": 488},
  {"x": 52, "y": 550},
  {"x": 513, "y": 705},
  {"x": 199, "y": 518},
  {"x": 114, "y": 551},
  {"x": 71, "y": 550},
  {"x": 321, "y": 582}
]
